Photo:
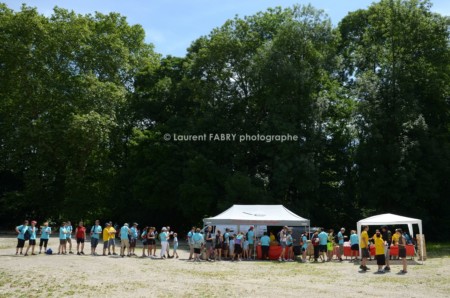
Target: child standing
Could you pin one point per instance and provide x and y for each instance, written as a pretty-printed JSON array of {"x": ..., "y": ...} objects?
[
  {"x": 245, "y": 248},
  {"x": 69, "y": 230},
  {"x": 45, "y": 235},
  {"x": 62, "y": 239},
  {"x": 175, "y": 245},
  {"x": 80, "y": 234},
  {"x": 32, "y": 242}
]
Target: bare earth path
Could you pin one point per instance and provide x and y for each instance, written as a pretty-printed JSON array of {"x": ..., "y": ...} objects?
[{"x": 88, "y": 276}]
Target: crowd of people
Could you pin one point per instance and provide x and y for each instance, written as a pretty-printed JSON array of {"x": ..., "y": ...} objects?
[{"x": 216, "y": 246}]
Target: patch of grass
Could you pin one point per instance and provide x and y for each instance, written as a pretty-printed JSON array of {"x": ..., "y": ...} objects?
[{"x": 438, "y": 249}]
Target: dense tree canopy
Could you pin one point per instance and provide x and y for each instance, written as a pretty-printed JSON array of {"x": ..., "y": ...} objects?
[{"x": 86, "y": 107}]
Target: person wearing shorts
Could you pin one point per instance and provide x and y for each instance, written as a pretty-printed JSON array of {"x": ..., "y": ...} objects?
[
  {"x": 226, "y": 243},
  {"x": 106, "y": 237},
  {"x": 69, "y": 229},
  {"x": 364, "y": 244},
  {"x": 198, "y": 243},
  {"x": 283, "y": 236},
  {"x": 32, "y": 242},
  {"x": 175, "y": 245},
  {"x": 151, "y": 242},
  {"x": 323, "y": 240},
  {"x": 62, "y": 239},
  {"x": 354, "y": 246},
  {"x": 387, "y": 237},
  {"x": 265, "y": 244},
  {"x": 133, "y": 238},
  {"x": 251, "y": 242},
  {"x": 191, "y": 242},
  {"x": 80, "y": 234},
  {"x": 112, "y": 240},
  {"x": 45, "y": 235},
  {"x": 209, "y": 243},
  {"x": 402, "y": 250},
  {"x": 341, "y": 239},
  {"x": 96, "y": 231},
  {"x": 20, "y": 230},
  {"x": 379, "y": 251},
  {"x": 304, "y": 246},
  {"x": 124, "y": 240}
]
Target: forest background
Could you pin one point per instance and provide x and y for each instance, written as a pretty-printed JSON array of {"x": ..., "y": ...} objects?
[{"x": 86, "y": 105}]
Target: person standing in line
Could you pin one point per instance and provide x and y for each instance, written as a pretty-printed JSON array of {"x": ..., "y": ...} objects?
[
  {"x": 169, "y": 235},
  {"x": 133, "y": 239},
  {"x": 163, "y": 237},
  {"x": 124, "y": 240},
  {"x": 323, "y": 240},
  {"x": 32, "y": 242},
  {"x": 330, "y": 245},
  {"x": 191, "y": 242},
  {"x": 45, "y": 235},
  {"x": 80, "y": 234},
  {"x": 238, "y": 241},
  {"x": 62, "y": 249},
  {"x": 379, "y": 251},
  {"x": 265, "y": 244},
  {"x": 315, "y": 242},
  {"x": 364, "y": 244},
  {"x": 152, "y": 242},
  {"x": 198, "y": 244},
  {"x": 245, "y": 249},
  {"x": 290, "y": 246},
  {"x": 354, "y": 245},
  {"x": 226, "y": 243},
  {"x": 387, "y": 237},
  {"x": 283, "y": 238},
  {"x": 144, "y": 238},
  {"x": 251, "y": 242},
  {"x": 209, "y": 243},
  {"x": 112, "y": 240},
  {"x": 402, "y": 250},
  {"x": 96, "y": 230},
  {"x": 232, "y": 246},
  {"x": 175, "y": 245},
  {"x": 69, "y": 230},
  {"x": 106, "y": 237},
  {"x": 304, "y": 246},
  {"x": 218, "y": 245},
  {"x": 341, "y": 239},
  {"x": 21, "y": 230}
]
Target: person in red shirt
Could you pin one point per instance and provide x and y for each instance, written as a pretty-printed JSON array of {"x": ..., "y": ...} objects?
[{"x": 80, "y": 234}]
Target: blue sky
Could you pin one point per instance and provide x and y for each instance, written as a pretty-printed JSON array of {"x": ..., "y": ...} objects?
[{"x": 171, "y": 25}]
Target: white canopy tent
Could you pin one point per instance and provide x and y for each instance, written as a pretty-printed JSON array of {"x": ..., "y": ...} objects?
[
  {"x": 271, "y": 215},
  {"x": 391, "y": 219}
]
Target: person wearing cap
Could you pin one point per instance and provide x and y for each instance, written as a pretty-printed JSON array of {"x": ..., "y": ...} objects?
[
  {"x": 341, "y": 239},
  {"x": 124, "y": 240},
  {"x": 134, "y": 234},
  {"x": 32, "y": 242},
  {"x": 20, "y": 230},
  {"x": 45, "y": 235}
]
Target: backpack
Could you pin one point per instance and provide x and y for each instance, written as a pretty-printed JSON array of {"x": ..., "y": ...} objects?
[
  {"x": 49, "y": 251},
  {"x": 27, "y": 235}
]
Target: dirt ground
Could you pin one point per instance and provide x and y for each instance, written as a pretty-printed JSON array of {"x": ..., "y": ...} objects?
[{"x": 89, "y": 276}]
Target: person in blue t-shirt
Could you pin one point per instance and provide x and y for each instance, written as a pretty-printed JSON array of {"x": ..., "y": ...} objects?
[
  {"x": 45, "y": 235},
  {"x": 20, "y": 230},
  {"x": 191, "y": 242},
  {"x": 198, "y": 244},
  {"x": 32, "y": 243},
  {"x": 62, "y": 239},
  {"x": 133, "y": 238},
  {"x": 251, "y": 242},
  {"x": 341, "y": 239},
  {"x": 69, "y": 230},
  {"x": 163, "y": 237},
  {"x": 304, "y": 246},
  {"x": 226, "y": 243},
  {"x": 124, "y": 240},
  {"x": 265, "y": 244},
  {"x": 96, "y": 231},
  {"x": 323, "y": 240}
]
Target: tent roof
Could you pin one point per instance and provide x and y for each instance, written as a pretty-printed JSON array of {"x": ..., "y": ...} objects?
[
  {"x": 275, "y": 215},
  {"x": 388, "y": 218}
]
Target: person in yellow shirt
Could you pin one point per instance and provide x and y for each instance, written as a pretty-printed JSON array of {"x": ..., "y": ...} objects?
[
  {"x": 364, "y": 245},
  {"x": 106, "y": 238},
  {"x": 379, "y": 251},
  {"x": 111, "y": 241}
]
